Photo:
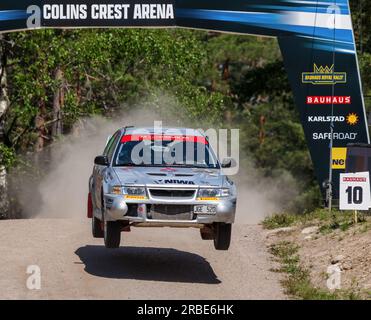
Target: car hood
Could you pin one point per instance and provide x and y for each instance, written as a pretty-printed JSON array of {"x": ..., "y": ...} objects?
[{"x": 168, "y": 176}]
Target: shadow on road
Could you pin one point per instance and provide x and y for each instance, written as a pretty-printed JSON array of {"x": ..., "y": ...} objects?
[{"x": 143, "y": 263}]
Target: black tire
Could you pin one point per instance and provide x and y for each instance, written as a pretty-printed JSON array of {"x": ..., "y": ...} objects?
[
  {"x": 96, "y": 228},
  {"x": 112, "y": 234},
  {"x": 222, "y": 235},
  {"x": 111, "y": 230}
]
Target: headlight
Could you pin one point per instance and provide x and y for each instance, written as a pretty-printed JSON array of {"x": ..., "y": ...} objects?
[
  {"x": 225, "y": 193},
  {"x": 212, "y": 193},
  {"x": 136, "y": 193},
  {"x": 116, "y": 190},
  {"x": 208, "y": 193}
]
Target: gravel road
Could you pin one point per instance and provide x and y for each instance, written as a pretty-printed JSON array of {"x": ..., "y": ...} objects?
[{"x": 151, "y": 264}]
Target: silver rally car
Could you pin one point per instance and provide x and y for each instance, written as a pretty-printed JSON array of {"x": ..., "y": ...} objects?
[{"x": 167, "y": 178}]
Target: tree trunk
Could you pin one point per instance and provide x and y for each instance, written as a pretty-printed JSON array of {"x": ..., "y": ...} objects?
[
  {"x": 4, "y": 200},
  {"x": 40, "y": 127},
  {"x": 226, "y": 73},
  {"x": 4, "y": 105},
  {"x": 58, "y": 101}
]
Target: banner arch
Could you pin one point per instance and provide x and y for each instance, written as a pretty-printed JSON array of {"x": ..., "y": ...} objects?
[{"x": 316, "y": 39}]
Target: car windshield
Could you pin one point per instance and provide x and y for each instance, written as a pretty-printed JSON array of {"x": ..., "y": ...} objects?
[{"x": 169, "y": 153}]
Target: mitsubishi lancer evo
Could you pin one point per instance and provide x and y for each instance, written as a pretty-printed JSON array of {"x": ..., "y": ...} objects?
[{"x": 167, "y": 177}]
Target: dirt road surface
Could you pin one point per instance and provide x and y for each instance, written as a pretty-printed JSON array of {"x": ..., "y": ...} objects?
[{"x": 151, "y": 264}]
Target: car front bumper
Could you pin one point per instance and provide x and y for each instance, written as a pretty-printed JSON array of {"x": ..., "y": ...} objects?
[{"x": 118, "y": 208}]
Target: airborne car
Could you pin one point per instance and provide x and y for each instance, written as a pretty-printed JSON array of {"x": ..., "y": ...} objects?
[{"x": 167, "y": 178}]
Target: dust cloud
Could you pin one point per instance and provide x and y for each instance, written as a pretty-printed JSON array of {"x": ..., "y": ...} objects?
[
  {"x": 62, "y": 190},
  {"x": 259, "y": 197}
]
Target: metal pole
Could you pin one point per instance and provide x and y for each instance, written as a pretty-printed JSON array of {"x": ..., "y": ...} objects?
[
  {"x": 329, "y": 189},
  {"x": 332, "y": 123}
]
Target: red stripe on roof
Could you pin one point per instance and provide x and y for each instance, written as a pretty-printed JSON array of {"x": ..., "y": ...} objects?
[{"x": 165, "y": 137}]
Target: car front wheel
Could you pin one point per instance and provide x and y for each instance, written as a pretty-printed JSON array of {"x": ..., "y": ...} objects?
[
  {"x": 111, "y": 230},
  {"x": 112, "y": 234},
  {"x": 222, "y": 235}
]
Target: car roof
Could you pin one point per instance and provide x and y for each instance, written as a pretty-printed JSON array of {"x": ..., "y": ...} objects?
[{"x": 163, "y": 130}]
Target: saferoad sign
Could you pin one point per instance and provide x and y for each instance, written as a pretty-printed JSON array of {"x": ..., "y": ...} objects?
[{"x": 315, "y": 37}]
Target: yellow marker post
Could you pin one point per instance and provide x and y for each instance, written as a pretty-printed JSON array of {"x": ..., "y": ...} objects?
[{"x": 355, "y": 216}]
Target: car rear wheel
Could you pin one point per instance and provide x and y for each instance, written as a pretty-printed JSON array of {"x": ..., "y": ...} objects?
[
  {"x": 222, "y": 235},
  {"x": 96, "y": 225}
]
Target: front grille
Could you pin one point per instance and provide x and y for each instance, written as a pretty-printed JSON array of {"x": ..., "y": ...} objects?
[
  {"x": 169, "y": 193},
  {"x": 171, "y": 209},
  {"x": 171, "y": 212}
]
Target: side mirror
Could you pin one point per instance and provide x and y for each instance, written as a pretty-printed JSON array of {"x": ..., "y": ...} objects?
[
  {"x": 101, "y": 161},
  {"x": 228, "y": 163}
]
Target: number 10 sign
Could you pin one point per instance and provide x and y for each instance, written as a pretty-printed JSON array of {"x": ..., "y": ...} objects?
[{"x": 355, "y": 191}]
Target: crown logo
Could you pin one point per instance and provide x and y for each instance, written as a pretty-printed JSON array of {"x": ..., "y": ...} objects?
[
  {"x": 323, "y": 75},
  {"x": 325, "y": 70}
]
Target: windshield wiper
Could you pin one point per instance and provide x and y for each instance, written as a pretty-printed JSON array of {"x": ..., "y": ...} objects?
[
  {"x": 140, "y": 165},
  {"x": 127, "y": 164},
  {"x": 184, "y": 165}
]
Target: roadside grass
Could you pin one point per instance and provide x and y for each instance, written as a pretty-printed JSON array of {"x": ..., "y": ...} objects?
[
  {"x": 297, "y": 282},
  {"x": 337, "y": 220},
  {"x": 280, "y": 221}
]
